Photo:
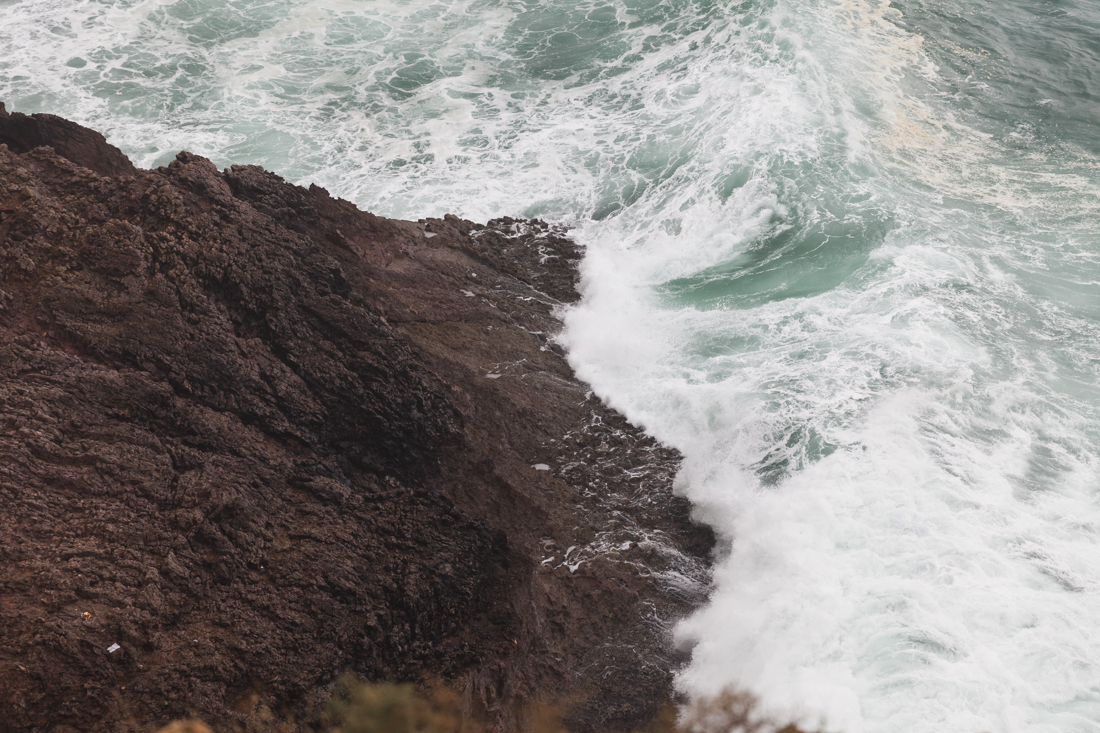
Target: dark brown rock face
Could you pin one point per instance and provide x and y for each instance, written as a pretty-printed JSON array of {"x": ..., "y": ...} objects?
[
  {"x": 256, "y": 438},
  {"x": 79, "y": 144}
]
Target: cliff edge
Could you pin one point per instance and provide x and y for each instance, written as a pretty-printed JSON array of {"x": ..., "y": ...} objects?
[{"x": 252, "y": 438}]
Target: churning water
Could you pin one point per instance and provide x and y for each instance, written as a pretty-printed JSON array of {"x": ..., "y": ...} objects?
[{"x": 844, "y": 254}]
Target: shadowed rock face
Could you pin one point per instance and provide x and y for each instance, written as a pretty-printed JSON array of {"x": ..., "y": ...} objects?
[
  {"x": 79, "y": 144},
  {"x": 256, "y": 438}
]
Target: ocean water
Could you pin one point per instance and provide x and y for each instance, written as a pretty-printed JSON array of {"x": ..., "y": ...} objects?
[{"x": 844, "y": 254}]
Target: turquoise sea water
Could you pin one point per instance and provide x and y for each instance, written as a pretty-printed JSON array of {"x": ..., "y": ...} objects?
[{"x": 844, "y": 254}]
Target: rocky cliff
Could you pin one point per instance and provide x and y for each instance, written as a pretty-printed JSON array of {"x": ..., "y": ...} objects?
[{"x": 252, "y": 437}]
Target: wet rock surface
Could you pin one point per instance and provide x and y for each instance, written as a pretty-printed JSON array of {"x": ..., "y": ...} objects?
[{"x": 256, "y": 438}]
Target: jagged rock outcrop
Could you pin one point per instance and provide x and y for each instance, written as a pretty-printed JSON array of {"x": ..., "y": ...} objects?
[
  {"x": 256, "y": 437},
  {"x": 74, "y": 142}
]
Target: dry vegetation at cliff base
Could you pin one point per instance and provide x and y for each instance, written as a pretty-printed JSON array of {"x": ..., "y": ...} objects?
[{"x": 389, "y": 708}]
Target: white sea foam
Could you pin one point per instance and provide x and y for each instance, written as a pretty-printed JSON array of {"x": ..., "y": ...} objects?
[{"x": 922, "y": 561}]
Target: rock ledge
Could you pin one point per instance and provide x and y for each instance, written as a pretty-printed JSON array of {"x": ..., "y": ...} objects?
[{"x": 256, "y": 438}]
